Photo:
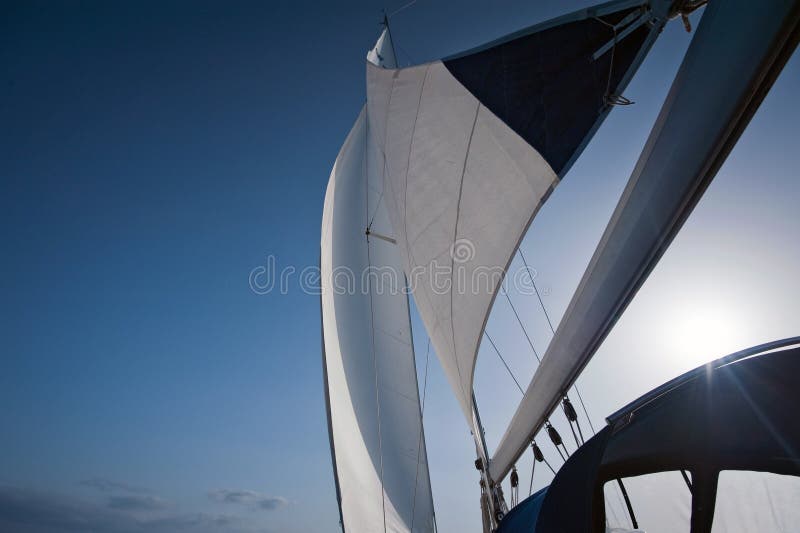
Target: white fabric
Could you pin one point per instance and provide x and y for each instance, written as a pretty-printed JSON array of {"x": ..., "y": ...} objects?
[
  {"x": 372, "y": 384},
  {"x": 756, "y": 501},
  {"x": 382, "y": 54},
  {"x": 461, "y": 189},
  {"x": 662, "y": 503}
]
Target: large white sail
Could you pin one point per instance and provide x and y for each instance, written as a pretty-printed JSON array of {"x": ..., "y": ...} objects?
[
  {"x": 374, "y": 413},
  {"x": 474, "y": 145}
]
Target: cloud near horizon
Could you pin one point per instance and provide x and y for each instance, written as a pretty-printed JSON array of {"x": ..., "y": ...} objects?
[
  {"x": 137, "y": 502},
  {"x": 29, "y": 511},
  {"x": 249, "y": 498},
  {"x": 106, "y": 485}
]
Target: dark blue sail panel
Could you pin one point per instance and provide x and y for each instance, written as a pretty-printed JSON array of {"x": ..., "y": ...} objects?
[{"x": 547, "y": 87}]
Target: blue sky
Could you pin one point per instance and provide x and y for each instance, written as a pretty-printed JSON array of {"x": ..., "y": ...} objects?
[{"x": 152, "y": 155}]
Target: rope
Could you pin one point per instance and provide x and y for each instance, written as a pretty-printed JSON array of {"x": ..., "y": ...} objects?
[
  {"x": 533, "y": 469},
  {"x": 578, "y": 425},
  {"x": 552, "y": 432},
  {"x": 608, "y": 98},
  {"x": 572, "y": 417},
  {"x": 514, "y": 487},
  {"x": 538, "y": 457},
  {"x": 574, "y": 436}
]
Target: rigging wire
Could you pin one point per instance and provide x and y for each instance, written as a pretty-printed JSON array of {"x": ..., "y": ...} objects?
[
  {"x": 533, "y": 470},
  {"x": 510, "y": 373},
  {"x": 419, "y": 441},
  {"x": 408, "y": 56},
  {"x": 609, "y": 98},
  {"x": 538, "y": 457},
  {"x": 536, "y": 289},
  {"x": 613, "y": 512},
  {"x": 553, "y": 331},
  {"x": 536, "y": 354},
  {"x": 554, "y": 436},
  {"x": 401, "y": 8},
  {"x": 425, "y": 379},
  {"x": 525, "y": 331}
]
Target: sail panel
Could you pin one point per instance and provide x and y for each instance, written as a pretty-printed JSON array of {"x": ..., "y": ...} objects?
[
  {"x": 546, "y": 86},
  {"x": 461, "y": 188},
  {"x": 472, "y": 147},
  {"x": 373, "y": 398},
  {"x": 382, "y": 54}
]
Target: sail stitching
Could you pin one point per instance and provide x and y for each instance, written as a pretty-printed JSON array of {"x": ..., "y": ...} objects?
[
  {"x": 408, "y": 160},
  {"x": 411, "y": 260},
  {"x": 455, "y": 237}
]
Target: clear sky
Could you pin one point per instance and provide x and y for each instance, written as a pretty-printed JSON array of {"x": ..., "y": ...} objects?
[{"x": 153, "y": 154}]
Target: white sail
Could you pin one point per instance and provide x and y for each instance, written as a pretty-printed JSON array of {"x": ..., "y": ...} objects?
[
  {"x": 382, "y": 54},
  {"x": 474, "y": 145},
  {"x": 461, "y": 188},
  {"x": 374, "y": 413}
]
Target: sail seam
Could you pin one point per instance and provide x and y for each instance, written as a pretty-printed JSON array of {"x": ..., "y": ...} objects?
[
  {"x": 455, "y": 237},
  {"x": 410, "y": 151}
]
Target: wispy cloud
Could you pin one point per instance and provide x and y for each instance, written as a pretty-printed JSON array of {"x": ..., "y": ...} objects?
[
  {"x": 137, "y": 502},
  {"x": 31, "y": 511},
  {"x": 107, "y": 485},
  {"x": 249, "y": 498}
]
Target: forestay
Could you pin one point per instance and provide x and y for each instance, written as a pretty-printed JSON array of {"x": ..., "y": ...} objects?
[
  {"x": 373, "y": 404},
  {"x": 473, "y": 145}
]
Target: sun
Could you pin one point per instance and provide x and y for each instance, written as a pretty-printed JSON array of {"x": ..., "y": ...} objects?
[{"x": 702, "y": 332}]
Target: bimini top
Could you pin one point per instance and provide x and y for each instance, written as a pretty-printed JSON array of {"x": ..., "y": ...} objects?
[{"x": 737, "y": 413}]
